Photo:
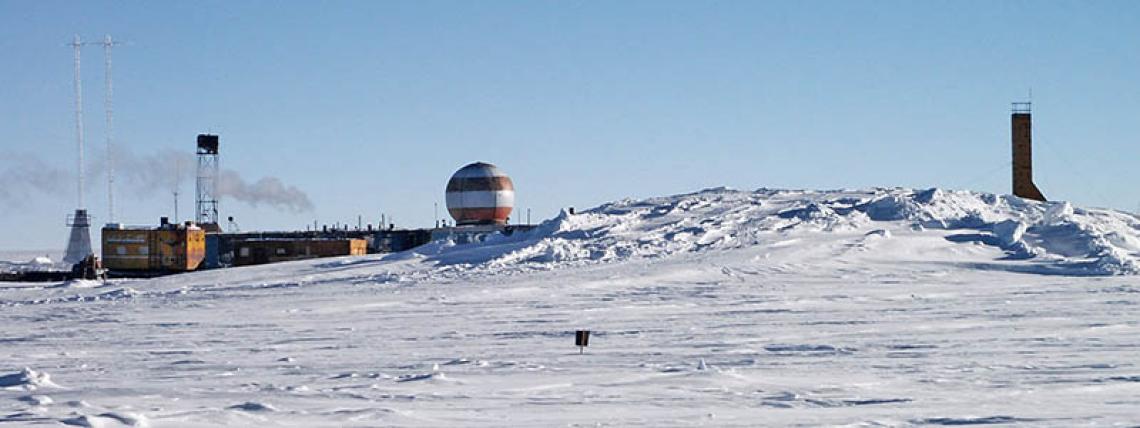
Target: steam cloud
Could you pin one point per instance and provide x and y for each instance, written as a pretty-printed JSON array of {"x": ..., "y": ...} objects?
[{"x": 22, "y": 177}]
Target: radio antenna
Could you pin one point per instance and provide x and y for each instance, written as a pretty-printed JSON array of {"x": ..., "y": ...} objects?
[{"x": 109, "y": 43}]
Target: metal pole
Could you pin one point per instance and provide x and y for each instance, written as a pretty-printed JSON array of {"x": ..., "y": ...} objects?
[
  {"x": 77, "y": 44},
  {"x": 107, "y": 44},
  {"x": 177, "y": 186}
]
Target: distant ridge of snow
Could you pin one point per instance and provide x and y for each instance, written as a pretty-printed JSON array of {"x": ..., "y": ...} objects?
[{"x": 1048, "y": 237}]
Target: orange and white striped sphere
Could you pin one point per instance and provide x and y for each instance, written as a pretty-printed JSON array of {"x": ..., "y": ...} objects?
[{"x": 480, "y": 193}]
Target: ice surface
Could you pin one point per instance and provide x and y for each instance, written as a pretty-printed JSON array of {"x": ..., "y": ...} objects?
[{"x": 882, "y": 307}]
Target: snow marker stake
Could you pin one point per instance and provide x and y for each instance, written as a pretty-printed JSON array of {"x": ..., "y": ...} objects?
[{"x": 582, "y": 340}]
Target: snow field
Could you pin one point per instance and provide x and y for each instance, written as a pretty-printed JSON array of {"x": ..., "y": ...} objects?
[{"x": 886, "y": 307}]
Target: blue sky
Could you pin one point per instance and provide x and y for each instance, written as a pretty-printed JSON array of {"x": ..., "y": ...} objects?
[{"x": 370, "y": 106}]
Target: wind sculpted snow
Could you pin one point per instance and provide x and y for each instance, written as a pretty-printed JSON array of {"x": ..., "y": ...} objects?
[
  {"x": 1048, "y": 238},
  {"x": 883, "y": 307}
]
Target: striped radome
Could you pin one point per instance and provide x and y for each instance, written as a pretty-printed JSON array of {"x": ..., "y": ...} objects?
[{"x": 480, "y": 193}]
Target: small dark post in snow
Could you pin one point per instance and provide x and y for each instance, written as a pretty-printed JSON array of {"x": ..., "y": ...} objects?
[{"x": 582, "y": 339}]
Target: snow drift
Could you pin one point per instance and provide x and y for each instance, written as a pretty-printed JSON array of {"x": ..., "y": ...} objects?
[{"x": 1030, "y": 236}]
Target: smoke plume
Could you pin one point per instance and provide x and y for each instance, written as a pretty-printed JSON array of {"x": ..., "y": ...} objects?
[
  {"x": 266, "y": 190},
  {"x": 160, "y": 173},
  {"x": 25, "y": 177}
]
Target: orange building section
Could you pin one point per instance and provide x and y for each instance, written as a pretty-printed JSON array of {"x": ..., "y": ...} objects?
[
  {"x": 167, "y": 248},
  {"x": 1022, "y": 129},
  {"x": 256, "y": 252}
]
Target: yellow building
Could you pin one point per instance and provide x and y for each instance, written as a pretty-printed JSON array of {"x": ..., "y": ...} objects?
[{"x": 167, "y": 248}]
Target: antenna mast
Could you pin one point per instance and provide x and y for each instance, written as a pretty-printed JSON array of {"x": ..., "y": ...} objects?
[
  {"x": 79, "y": 241},
  {"x": 108, "y": 43},
  {"x": 78, "y": 44}
]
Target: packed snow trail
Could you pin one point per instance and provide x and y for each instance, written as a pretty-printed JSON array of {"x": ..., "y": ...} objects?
[{"x": 886, "y": 307}]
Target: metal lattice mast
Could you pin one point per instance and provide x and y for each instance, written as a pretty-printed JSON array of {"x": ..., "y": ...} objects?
[
  {"x": 78, "y": 44},
  {"x": 79, "y": 241},
  {"x": 108, "y": 43},
  {"x": 207, "y": 192}
]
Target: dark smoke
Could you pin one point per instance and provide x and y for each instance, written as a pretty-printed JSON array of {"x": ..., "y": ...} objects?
[
  {"x": 159, "y": 173},
  {"x": 267, "y": 190},
  {"x": 169, "y": 169}
]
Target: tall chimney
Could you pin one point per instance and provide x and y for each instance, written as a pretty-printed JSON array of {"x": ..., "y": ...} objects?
[{"x": 1022, "y": 130}]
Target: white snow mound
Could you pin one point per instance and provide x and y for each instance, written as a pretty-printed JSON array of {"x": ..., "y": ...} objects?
[{"x": 1030, "y": 236}]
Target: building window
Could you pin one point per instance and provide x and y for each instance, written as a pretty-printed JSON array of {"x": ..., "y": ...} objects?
[{"x": 243, "y": 252}]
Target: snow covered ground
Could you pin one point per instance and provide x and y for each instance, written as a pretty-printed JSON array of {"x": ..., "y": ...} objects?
[
  {"x": 885, "y": 307},
  {"x": 19, "y": 261}
]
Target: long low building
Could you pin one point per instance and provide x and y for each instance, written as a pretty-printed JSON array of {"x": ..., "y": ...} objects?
[
  {"x": 222, "y": 248},
  {"x": 256, "y": 252},
  {"x": 171, "y": 248}
]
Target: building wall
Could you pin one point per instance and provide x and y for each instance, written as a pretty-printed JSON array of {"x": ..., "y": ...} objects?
[
  {"x": 162, "y": 249},
  {"x": 194, "y": 242},
  {"x": 256, "y": 252},
  {"x": 126, "y": 249}
]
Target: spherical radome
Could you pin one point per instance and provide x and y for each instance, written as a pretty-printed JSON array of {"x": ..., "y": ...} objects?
[{"x": 480, "y": 193}]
